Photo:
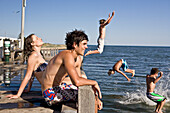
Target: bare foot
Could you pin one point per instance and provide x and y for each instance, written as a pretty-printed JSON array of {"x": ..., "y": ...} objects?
[
  {"x": 133, "y": 73},
  {"x": 156, "y": 110}
]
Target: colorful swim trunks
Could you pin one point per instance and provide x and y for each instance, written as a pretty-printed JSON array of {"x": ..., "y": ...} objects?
[
  {"x": 155, "y": 97},
  {"x": 61, "y": 93},
  {"x": 124, "y": 65}
]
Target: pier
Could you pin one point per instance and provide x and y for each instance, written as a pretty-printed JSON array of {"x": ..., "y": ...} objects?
[
  {"x": 48, "y": 53},
  {"x": 11, "y": 76},
  {"x": 34, "y": 102}
]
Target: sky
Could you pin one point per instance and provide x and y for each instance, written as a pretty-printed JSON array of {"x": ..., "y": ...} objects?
[{"x": 136, "y": 22}]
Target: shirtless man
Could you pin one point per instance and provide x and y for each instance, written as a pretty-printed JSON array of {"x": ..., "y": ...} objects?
[
  {"x": 151, "y": 81},
  {"x": 102, "y": 32},
  {"x": 63, "y": 64},
  {"x": 121, "y": 64},
  {"x": 81, "y": 73}
]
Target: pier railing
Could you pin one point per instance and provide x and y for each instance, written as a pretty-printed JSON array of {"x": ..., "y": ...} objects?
[
  {"x": 51, "y": 52},
  {"x": 48, "y": 52}
]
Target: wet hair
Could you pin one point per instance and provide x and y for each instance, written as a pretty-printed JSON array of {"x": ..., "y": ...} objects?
[
  {"x": 110, "y": 72},
  {"x": 102, "y": 21},
  {"x": 154, "y": 71},
  {"x": 75, "y": 36}
]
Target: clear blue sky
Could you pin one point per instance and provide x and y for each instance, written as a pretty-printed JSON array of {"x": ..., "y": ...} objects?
[{"x": 136, "y": 22}]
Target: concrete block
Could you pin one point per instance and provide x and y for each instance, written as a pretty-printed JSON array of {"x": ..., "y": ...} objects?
[{"x": 86, "y": 100}]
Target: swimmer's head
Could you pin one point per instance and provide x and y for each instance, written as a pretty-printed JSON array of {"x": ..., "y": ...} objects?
[
  {"x": 154, "y": 71},
  {"x": 110, "y": 72},
  {"x": 102, "y": 21}
]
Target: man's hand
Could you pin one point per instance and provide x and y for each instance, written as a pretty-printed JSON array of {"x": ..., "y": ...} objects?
[
  {"x": 96, "y": 89},
  {"x": 109, "y": 15},
  {"x": 113, "y": 13},
  {"x": 161, "y": 73},
  {"x": 100, "y": 104}
]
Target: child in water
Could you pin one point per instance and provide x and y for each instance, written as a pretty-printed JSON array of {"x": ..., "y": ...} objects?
[{"x": 151, "y": 81}]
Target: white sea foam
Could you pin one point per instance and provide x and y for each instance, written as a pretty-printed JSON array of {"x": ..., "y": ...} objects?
[{"x": 139, "y": 96}]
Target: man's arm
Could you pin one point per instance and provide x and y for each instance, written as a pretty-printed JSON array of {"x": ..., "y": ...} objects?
[
  {"x": 78, "y": 65},
  {"x": 109, "y": 19},
  {"x": 147, "y": 79},
  {"x": 69, "y": 63},
  {"x": 78, "y": 68},
  {"x": 157, "y": 79}
]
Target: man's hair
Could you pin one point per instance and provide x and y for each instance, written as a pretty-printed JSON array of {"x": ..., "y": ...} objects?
[
  {"x": 75, "y": 36},
  {"x": 102, "y": 21},
  {"x": 154, "y": 71}
]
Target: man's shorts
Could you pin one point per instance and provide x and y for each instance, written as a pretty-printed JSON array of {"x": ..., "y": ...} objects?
[
  {"x": 61, "y": 93},
  {"x": 124, "y": 65},
  {"x": 155, "y": 97},
  {"x": 100, "y": 45}
]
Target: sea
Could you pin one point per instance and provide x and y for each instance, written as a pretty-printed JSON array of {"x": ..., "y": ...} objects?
[{"x": 119, "y": 95}]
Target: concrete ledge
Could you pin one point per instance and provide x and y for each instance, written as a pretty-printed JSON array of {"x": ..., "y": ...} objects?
[
  {"x": 34, "y": 102},
  {"x": 69, "y": 108},
  {"x": 31, "y": 102},
  {"x": 86, "y": 100}
]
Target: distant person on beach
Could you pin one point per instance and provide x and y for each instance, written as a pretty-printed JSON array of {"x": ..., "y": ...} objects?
[
  {"x": 36, "y": 63},
  {"x": 63, "y": 64},
  {"x": 121, "y": 64},
  {"x": 151, "y": 81},
  {"x": 102, "y": 31}
]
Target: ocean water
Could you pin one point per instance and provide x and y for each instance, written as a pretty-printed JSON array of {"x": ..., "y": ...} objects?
[{"x": 119, "y": 95}]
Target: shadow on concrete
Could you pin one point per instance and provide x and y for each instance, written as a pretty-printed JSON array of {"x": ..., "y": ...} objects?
[{"x": 31, "y": 99}]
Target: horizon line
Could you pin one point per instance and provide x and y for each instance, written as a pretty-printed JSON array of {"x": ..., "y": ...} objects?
[{"x": 136, "y": 45}]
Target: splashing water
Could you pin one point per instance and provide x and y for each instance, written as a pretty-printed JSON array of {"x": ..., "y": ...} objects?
[{"x": 139, "y": 95}]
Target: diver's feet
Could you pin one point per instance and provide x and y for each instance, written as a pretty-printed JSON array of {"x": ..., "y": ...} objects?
[{"x": 133, "y": 73}]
